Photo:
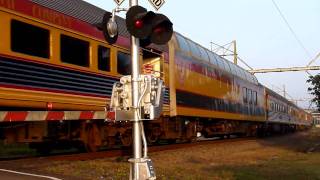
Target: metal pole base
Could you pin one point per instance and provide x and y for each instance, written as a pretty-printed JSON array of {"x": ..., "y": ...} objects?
[{"x": 145, "y": 169}]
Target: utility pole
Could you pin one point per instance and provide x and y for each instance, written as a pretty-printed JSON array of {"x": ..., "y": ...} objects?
[{"x": 235, "y": 54}]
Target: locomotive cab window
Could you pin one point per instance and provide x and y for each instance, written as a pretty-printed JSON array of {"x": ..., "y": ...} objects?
[
  {"x": 103, "y": 58},
  {"x": 29, "y": 39},
  {"x": 74, "y": 51},
  {"x": 123, "y": 63}
]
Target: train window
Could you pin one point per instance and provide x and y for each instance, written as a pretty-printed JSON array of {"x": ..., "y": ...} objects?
[
  {"x": 255, "y": 100},
  {"x": 194, "y": 49},
  {"x": 249, "y": 96},
  {"x": 220, "y": 62},
  {"x": 212, "y": 57},
  {"x": 227, "y": 66},
  {"x": 103, "y": 58},
  {"x": 245, "y": 97},
  {"x": 184, "y": 46},
  {"x": 233, "y": 69},
  {"x": 29, "y": 39},
  {"x": 204, "y": 54},
  {"x": 123, "y": 63},
  {"x": 243, "y": 74},
  {"x": 238, "y": 71},
  {"x": 74, "y": 51}
]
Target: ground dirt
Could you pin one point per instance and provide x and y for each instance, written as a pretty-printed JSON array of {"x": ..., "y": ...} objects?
[{"x": 294, "y": 156}]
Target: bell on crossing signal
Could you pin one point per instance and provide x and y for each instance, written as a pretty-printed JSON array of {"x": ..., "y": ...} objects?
[
  {"x": 109, "y": 28},
  {"x": 148, "y": 26}
]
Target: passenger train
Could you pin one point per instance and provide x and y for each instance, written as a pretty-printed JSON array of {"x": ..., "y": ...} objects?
[{"x": 54, "y": 59}]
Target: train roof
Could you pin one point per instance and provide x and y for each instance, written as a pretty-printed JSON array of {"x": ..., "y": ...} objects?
[
  {"x": 88, "y": 13},
  {"x": 281, "y": 98},
  {"x": 81, "y": 10},
  {"x": 194, "y": 49}
]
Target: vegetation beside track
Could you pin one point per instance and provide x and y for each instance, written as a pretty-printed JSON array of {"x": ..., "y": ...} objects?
[
  {"x": 15, "y": 150},
  {"x": 295, "y": 156}
]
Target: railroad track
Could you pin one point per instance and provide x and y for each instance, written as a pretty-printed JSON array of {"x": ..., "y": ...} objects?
[
  {"x": 128, "y": 151},
  {"x": 76, "y": 155}
]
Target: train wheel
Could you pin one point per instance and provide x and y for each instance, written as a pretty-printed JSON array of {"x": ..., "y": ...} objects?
[
  {"x": 152, "y": 138},
  {"x": 41, "y": 148},
  {"x": 93, "y": 138},
  {"x": 153, "y": 135},
  {"x": 171, "y": 141},
  {"x": 126, "y": 138},
  {"x": 191, "y": 134}
]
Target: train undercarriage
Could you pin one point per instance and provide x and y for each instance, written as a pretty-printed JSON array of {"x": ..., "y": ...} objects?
[{"x": 93, "y": 135}]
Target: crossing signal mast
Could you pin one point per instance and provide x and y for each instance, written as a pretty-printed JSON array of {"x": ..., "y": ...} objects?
[{"x": 138, "y": 97}]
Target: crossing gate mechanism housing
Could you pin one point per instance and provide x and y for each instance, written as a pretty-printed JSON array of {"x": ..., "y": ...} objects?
[{"x": 150, "y": 101}]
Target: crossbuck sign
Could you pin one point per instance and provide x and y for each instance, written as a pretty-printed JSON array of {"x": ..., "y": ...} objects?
[
  {"x": 119, "y": 2},
  {"x": 155, "y": 3}
]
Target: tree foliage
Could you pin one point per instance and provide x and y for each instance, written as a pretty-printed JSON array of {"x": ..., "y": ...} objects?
[{"x": 315, "y": 89}]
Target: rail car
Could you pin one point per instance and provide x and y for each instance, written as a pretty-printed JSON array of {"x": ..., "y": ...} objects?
[{"x": 57, "y": 73}]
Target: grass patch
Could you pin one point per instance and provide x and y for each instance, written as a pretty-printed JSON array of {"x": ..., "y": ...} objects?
[
  {"x": 307, "y": 167},
  {"x": 12, "y": 150},
  {"x": 284, "y": 157}
]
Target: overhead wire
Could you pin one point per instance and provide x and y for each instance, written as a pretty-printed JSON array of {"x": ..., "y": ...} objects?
[{"x": 291, "y": 30}]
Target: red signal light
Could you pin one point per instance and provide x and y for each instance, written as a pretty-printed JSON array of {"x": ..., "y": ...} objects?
[
  {"x": 139, "y": 24},
  {"x": 159, "y": 30}
]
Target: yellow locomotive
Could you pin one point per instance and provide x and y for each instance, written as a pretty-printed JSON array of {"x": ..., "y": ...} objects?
[{"x": 54, "y": 62}]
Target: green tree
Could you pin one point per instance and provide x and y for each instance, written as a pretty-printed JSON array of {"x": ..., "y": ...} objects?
[{"x": 315, "y": 89}]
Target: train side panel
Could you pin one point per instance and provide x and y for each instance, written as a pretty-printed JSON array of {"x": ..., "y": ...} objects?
[{"x": 205, "y": 90}]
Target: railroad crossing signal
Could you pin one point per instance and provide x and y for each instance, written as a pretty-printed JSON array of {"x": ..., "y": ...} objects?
[
  {"x": 145, "y": 27},
  {"x": 157, "y": 3},
  {"x": 148, "y": 26}
]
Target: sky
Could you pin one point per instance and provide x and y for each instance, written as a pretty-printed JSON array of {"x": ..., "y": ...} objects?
[{"x": 263, "y": 38}]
